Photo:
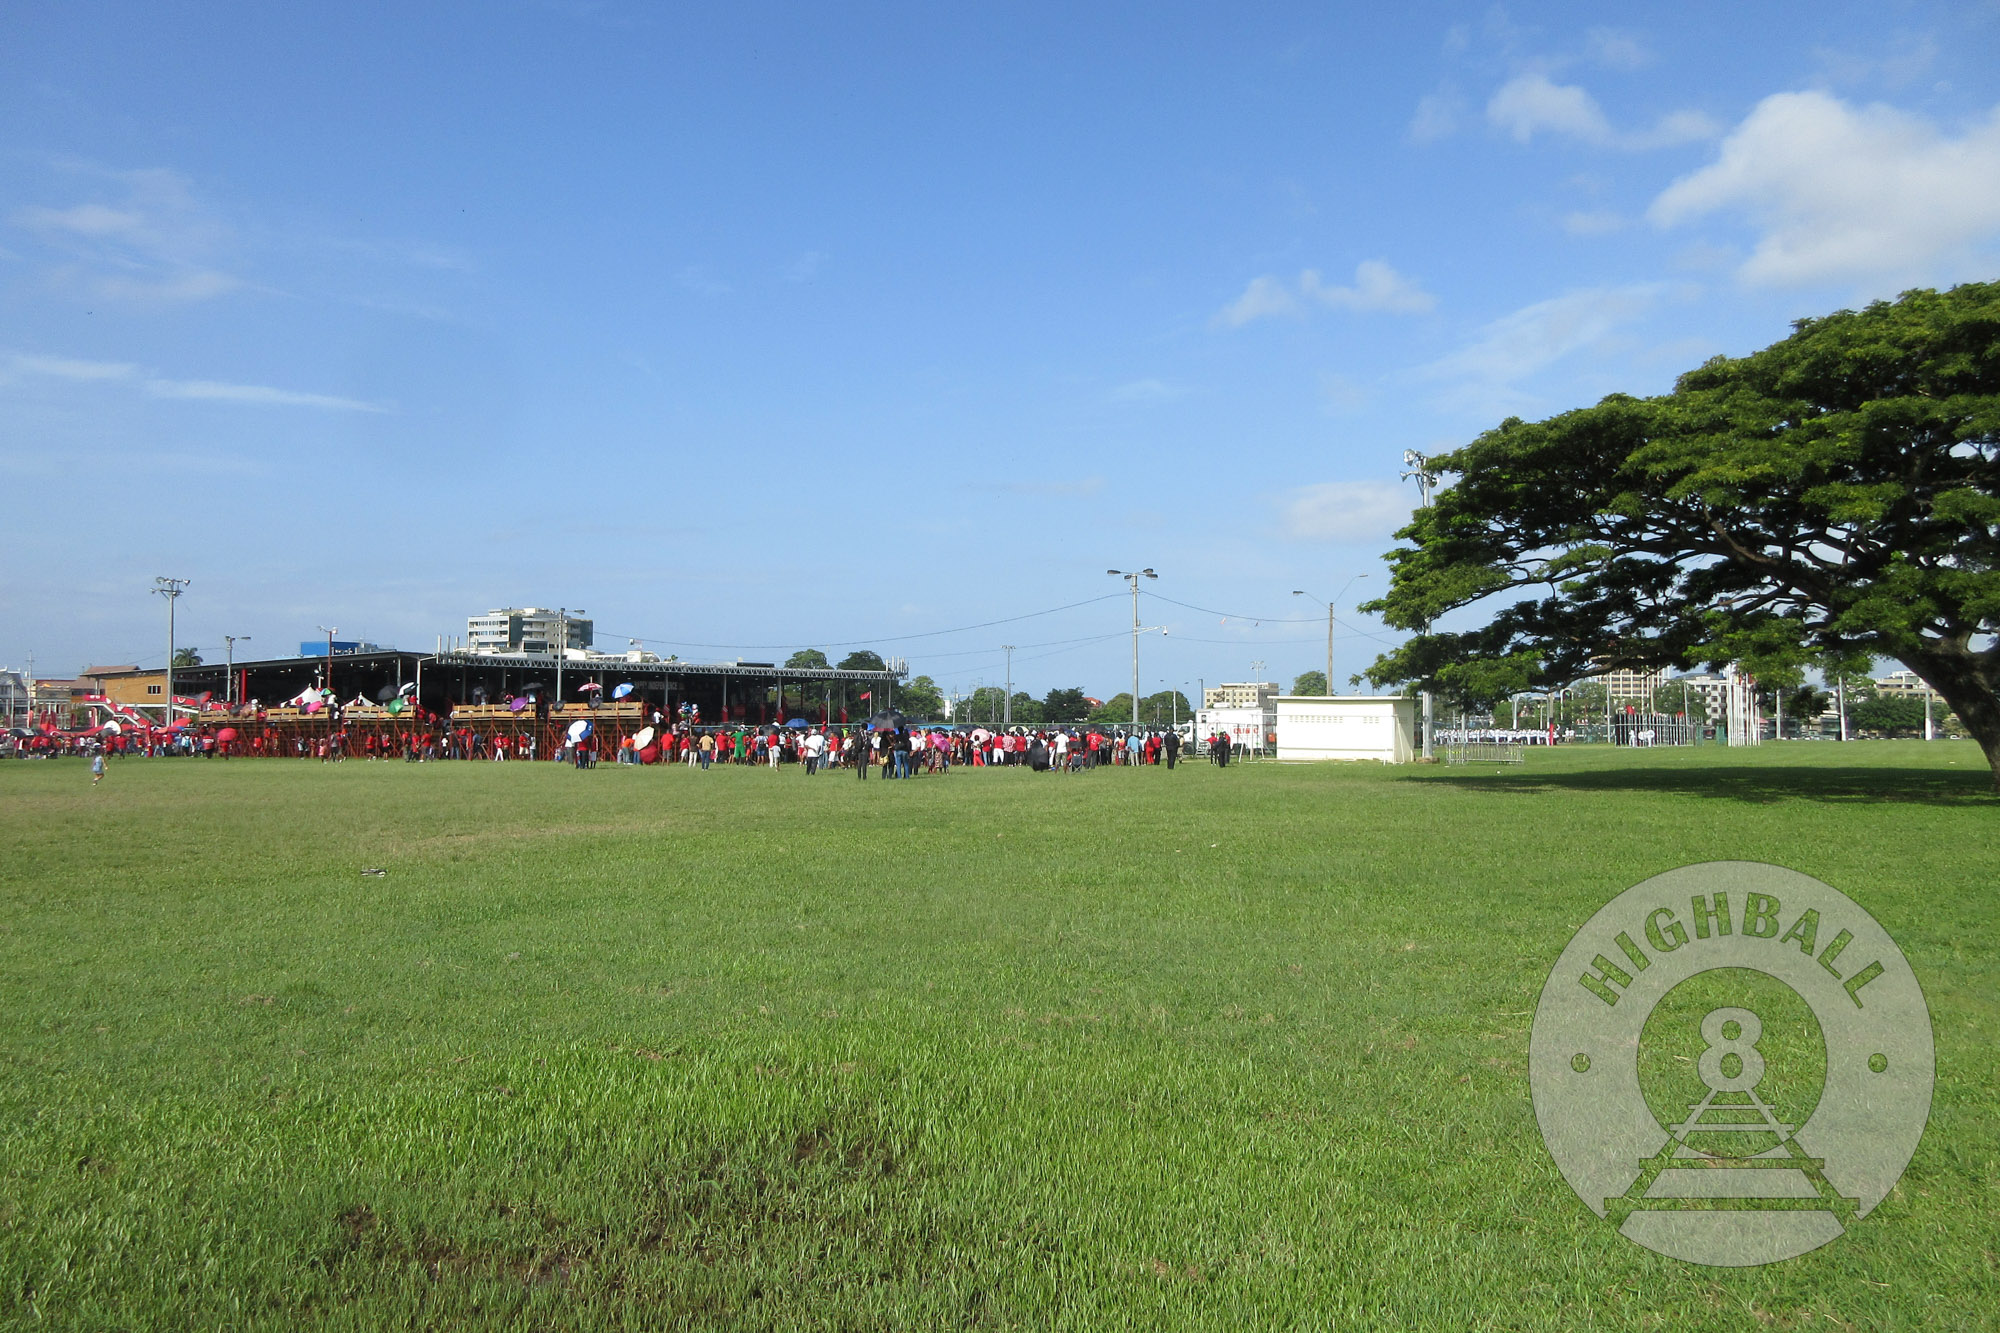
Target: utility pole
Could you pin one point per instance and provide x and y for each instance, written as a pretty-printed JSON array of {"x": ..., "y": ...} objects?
[
  {"x": 230, "y": 639},
  {"x": 1419, "y": 468},
  {"x": 1007, "y": 699},
  {"x": 1930, "y": 733},
  {"x": 1840, "y": 698},
  {"x": 1133, "y": 579},
  {"x": 171, "y": 590}
]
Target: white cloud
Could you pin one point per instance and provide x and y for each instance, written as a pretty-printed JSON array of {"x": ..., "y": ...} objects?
[
  {"x": 1377, "y": 288},
  {"x": 1534, "y": 104},
  {"x": 1676, "y": 127},
  {"x": 1262, "y": 298},
  {"x": 1437, "y": 116},
  {"x": 1869, "y": 194},
  {"x": 212, "y": 391},
  {"x": 69, "y": 368},
  {"x": 1531, "y": 339},
  {"x": 1346, "y": 511},
  {"x": 84, "y": 220},
  {"x": 193, "y": 285},
  {"x": 1616, "y": 50},
  {"x": 17, "y": 365},
  {"x": 157, "y": 242}
]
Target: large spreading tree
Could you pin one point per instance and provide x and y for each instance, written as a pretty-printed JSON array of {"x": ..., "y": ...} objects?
[{"x": 1830, "y": 496}]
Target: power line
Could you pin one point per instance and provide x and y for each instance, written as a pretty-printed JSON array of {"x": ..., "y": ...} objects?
[
  {"x": 1275, "y": 620},
  {"x": 884, "y": 638}
]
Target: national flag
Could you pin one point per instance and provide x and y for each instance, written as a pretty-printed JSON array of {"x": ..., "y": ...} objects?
[{"x": 869, "y": 695}]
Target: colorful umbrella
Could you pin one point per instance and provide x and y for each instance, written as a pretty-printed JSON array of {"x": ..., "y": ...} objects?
[
  {"x": 578, "y": 730},
  {"x": 644, "y": 738},
  {"x": 515, "y": 705},
  {"x": 622, "y": 690},
  {"x": 588, "y": 686}
]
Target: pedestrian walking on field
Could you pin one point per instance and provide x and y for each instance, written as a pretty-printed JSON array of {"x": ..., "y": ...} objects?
[{"x": 97, "y": 768}]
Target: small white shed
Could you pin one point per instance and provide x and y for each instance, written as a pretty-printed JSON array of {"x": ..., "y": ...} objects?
[{"x": 1347, "y": 726}]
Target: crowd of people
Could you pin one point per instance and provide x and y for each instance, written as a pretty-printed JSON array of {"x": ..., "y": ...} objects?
[
  {"x": 900, "y": 751},
  {"x": 907, "y": 751}
]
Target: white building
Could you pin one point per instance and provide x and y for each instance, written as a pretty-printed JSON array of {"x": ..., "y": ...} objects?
[
  {"x": 1902, "y": 685},
  {"x": 1705, "y": 692},
  {"x": 1351, "y": 726},
  {"x": 526, "y": 629}
]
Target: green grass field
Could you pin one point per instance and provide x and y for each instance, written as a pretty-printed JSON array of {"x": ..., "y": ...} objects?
[{"x": 626, "y": 1048}]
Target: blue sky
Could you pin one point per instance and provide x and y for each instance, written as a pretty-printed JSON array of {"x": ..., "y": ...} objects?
[{"x": 751, "y": 327}]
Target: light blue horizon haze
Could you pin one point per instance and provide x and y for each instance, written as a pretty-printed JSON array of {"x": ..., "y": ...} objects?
[{"x": 748, "y": 328}]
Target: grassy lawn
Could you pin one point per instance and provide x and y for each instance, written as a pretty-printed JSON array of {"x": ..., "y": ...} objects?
[{"x": 625, "y": 1048}]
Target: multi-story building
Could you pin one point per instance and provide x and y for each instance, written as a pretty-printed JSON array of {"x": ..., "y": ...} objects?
[
  {"x": 14, "y": 710},
  {"x": 1706, "y": 694},
  {"x": 1902, "y": 685},
  {"x": 1629, "y": 686},
  {"x": 1259, "y": 694},
  {"x": 527, "y": 629}
]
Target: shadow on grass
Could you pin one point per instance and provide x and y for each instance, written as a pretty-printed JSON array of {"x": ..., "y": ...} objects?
[{"x": 1761, "y": 785}]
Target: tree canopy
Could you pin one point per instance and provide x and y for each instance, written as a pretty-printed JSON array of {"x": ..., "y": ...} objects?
[
  {"x": 1835, "y": 493},
  {"x": 1310, "y": 682},
  {"x": 920, "y": 698},
  {"x": 806, "y": 658},
  {"x": 861, "y": 659},
  {"x": 1066, "y": 705},
  {"x": 187, "y": 657}
]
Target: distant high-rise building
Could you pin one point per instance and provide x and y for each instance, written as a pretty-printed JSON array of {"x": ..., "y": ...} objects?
[
  {"x": 526, "y": 629},
  {"x": 1242, "y": 694}
]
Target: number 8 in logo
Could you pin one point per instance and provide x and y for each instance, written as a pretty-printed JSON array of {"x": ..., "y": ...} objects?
[{"x": 1732, "y": 1062}]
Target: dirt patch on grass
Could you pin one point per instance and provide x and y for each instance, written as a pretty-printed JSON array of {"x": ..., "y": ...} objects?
[{"x": 747, "y": 1234}]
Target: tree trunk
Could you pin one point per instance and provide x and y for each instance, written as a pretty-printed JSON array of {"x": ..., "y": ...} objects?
[{"x": 1968, "y": 691}]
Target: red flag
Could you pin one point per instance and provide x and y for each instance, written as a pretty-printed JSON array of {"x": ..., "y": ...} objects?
[{"x": 869, "y": 695}]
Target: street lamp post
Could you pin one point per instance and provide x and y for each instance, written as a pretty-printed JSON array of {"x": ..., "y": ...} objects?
[
  {"x": 1301, "y": 592},
  {"x": 171, "y": 590},
  {"x": 1133, "y": 577},
  {"x": 230, "y": 640},
  {"x": 1007, "y": 698}
]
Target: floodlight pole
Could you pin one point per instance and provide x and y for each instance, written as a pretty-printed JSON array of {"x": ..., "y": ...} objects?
[
  {"x": 230, "y": 640},
  {"x": 1133, "y": 579},
  {"x": 327, "y": 685},
  {"x": 1007, "y": 698},
  {"x": 171, "y": 590},
  {"x": 1419, "y": 468}
]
